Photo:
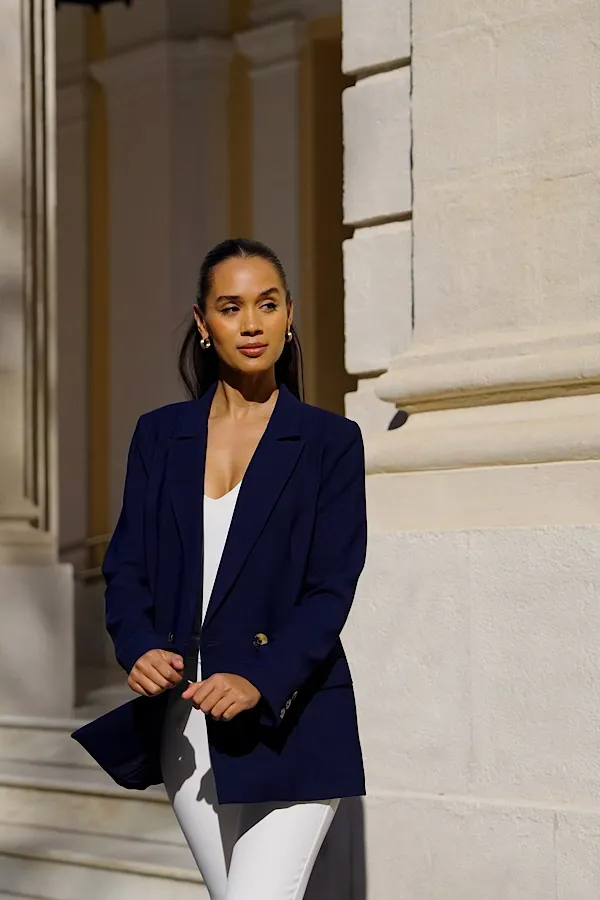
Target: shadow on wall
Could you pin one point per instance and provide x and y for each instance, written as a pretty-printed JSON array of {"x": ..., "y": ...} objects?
[
  {"x": 400, "y": 419},
  {"x": 340, "y": 870}
]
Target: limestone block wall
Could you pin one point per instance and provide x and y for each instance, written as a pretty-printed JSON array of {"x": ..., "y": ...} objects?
[
  {"x": 36, "y": 593},
  {"x": 377, "y": 197},
  {"x": 475, "y": 636}
]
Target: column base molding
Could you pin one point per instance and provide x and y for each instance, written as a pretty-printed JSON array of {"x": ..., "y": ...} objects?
[
  {"x": 451, "y": 375},
  {"x": 24, "y": 545},
  {"x": 546, "y": 431}
]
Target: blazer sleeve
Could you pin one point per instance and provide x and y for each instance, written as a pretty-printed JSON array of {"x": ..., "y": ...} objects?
[
  {"x": 336, "y": 559},
  {"x": 128, "y": 600}
]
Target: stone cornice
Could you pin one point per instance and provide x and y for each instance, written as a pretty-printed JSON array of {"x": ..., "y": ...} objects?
[
  {"x": 272, "y": 44},
  {"x": 157, "y": 59},
  {"x": 271, "y": 10},
  {"x": 483, "y": 374}
]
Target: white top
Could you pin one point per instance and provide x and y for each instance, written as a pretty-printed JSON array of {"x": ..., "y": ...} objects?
[{"x": 217, "y": 520}]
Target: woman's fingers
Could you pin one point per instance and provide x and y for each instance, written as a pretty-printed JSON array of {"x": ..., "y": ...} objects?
[
  {"x": 222, "y": 695},
  {"x": 206, "y": 697},
  {"x": 141, "y": 684},
  {"x": 212, "y": 699},
  {"x": 171, "y": 675},
  {"x": 191, "y": 689},
  {"x": 174, "y": 659},
  {"x": 204, "y": 694},
  {"x": 155, "y": 671},
  {"x": 156, "y": 677},
  {"x": 225, "y": 709}
]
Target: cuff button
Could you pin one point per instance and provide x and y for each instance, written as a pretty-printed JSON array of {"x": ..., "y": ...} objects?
[{"x": 260, "y": 639}]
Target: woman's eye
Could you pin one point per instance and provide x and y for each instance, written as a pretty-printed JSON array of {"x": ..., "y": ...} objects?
[
  {"x": 228, "y": 309},
  {"x": 269, "y": 305}
]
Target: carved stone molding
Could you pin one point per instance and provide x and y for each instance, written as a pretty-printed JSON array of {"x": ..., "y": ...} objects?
[
  {"x": 272, "y": 45},
  {"x": 488, "y": 371},
  {"x": 519, "y": 433},
  {"x": 271, "y": 10},
  {"x": 131, "y": 67}
]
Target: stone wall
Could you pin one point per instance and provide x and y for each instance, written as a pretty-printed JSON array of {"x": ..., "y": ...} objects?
[
  {"x": 472, "y": 139},
  {"x": 36, "y": 594}
]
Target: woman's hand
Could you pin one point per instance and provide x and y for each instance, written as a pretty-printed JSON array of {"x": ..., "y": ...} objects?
[
  {"x": 154, "y": 672},
  {"x": 223, "y": 696}
]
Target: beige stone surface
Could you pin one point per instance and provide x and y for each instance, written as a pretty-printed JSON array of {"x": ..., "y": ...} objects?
[
  {"x": 377, "y": 142},
  {"x": 433, "y": 848},
  {"x": 36, "y": 640},
  {"x": 506, "y": 117},
  {"x": 378, "y": 297},
  {"x": 364, "y": 406},
  {"x": 375, "y": 37},
  {"x": 534, "y": 495},
  {"x": 12, "y": 419},
  {"x": 481, "y": 647}
]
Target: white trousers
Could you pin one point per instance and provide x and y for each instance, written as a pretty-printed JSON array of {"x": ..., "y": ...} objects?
[{"x": 250, "y": 851}]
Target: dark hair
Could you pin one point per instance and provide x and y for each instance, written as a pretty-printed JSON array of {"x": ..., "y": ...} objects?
[{"x": 199, "y": 368}]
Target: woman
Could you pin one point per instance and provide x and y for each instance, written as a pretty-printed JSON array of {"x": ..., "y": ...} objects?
[{"x": 229, "y": 578}]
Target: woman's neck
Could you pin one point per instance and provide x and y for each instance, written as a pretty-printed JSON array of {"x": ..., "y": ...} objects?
[{"x": 236, "y": 398}]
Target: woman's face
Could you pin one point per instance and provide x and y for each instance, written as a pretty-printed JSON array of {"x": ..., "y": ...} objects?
[{"x": 246, "y": 315}]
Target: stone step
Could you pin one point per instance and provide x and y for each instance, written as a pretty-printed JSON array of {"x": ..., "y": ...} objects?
[
  {"x": 64, "y": 864},
  {"x": 42, "y": 749},
  {"x": 43, "y": 742},
  {"x": 4, "y": 896},
  {"x": 68, "y": 832},
  {"x": 47, "y": 779},
  {"x": 87, "y": 807}
]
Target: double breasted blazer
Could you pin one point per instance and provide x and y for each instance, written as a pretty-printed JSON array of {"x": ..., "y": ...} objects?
[{"x": 283, "y": 591}]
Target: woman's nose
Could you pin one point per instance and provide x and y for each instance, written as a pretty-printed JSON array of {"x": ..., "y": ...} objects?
[{"x": 250, "y": 327}]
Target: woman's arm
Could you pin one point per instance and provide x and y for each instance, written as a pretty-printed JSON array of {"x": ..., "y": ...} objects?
[
  {"x": 129, "y": 604},
  {"x": 336, "y": 560}
]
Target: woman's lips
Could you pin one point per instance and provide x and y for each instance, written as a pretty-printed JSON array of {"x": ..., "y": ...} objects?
[{"x": 252, "y": 350}]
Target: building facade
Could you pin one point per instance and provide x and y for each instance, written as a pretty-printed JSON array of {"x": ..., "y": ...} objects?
[{"x": 429, "y": 173}]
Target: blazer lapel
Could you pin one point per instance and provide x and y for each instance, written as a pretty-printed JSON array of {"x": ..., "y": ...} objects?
[
  {"x": 270, "y": 468},
  {"x": 185, "y": 479}
]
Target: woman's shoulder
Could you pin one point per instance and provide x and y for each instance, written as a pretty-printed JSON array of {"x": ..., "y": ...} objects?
[
  {"x": 329, "y": 427},
  {"x": 164, "y": 419}
]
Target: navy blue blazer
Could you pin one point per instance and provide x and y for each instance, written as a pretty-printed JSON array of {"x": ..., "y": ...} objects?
[{"x": 289, "y": 569}]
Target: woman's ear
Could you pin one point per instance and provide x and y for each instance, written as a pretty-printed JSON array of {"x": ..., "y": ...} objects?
[
  {"x": 200, "y": 322},
  {"x": 290, "y": 309}
]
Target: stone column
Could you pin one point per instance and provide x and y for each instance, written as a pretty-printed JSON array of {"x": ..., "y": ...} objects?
[
  {"x": 477, "y": 627},
  {"x": 167, "y": 105},
  {"x": 36, "y": 593},
  {"x": 72, "y": 278},
  {"x": 273, "y": 50}
]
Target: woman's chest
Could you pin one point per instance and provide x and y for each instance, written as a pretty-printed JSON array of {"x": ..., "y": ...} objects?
[
  {"x": 277, "y": 496},
  {"x": 230, "y": 448}
]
